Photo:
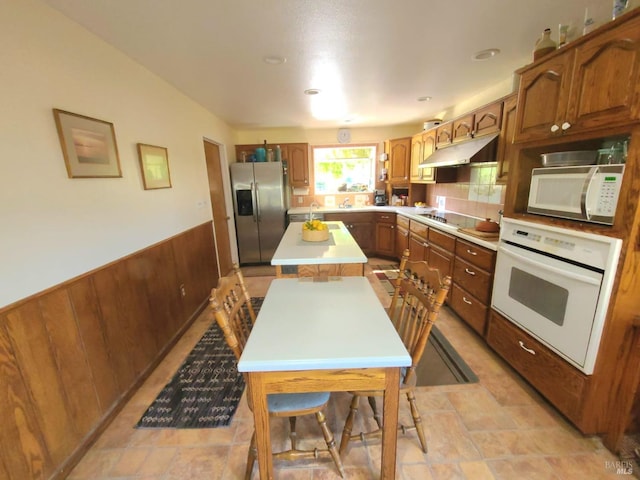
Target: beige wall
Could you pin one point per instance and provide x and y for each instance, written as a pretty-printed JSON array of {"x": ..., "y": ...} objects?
[
  {"x": 52, "y": 227},
  {"x": 326, "y": 136}
]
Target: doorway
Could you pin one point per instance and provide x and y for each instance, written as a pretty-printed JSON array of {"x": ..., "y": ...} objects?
[{"x": 219, "y": 206}]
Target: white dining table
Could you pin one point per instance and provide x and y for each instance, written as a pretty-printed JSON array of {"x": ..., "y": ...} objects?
[{"x": 323, "y": 334}]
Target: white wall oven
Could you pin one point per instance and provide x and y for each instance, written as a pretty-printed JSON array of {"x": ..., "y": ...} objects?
[{"x": 556, "y": 284}]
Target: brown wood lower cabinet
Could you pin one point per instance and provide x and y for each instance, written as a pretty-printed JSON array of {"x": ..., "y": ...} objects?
[
  {"x": 469, "y": 308},
  {"x": 562, "y": 384},
  {"x": 442, "y": 247},
  {"x": 385, "y": 234},
  {"x": 418, "y": 244},
  {"x": 472, "y": 281},
  {"x": 361, "y": 227},
  {"x": 402, "y": 235},
  {"x": 72, "y": 355}
]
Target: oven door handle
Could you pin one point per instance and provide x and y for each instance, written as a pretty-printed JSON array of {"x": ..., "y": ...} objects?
[{"x": 557, "y": 271}]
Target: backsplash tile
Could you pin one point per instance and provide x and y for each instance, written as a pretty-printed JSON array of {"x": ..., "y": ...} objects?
[{"x": 475, "y": 193}]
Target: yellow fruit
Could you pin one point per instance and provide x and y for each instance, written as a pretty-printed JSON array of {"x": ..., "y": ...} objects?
[{"x": 314, "y": 224}]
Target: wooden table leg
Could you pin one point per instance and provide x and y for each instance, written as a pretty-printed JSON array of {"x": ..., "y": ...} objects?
[
  {"x": 390, "y": 424},
  {"x": 258, "y": 401}
]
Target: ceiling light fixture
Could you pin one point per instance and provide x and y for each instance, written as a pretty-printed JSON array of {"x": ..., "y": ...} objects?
[
  {"x": 485, "y": 54},
  {"x": 312, "y": 91},
  {"x": 424, "y": 99},
  {"x": 274, "y": 60}
]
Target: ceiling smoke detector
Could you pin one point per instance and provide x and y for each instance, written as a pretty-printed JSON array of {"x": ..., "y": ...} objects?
[{"x": 274, "y": 60}]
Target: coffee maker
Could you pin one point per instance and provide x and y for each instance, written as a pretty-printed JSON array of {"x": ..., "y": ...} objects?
[{"x": 379, "y": 198}]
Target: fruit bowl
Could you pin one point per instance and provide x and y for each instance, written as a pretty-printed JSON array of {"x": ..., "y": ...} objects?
[
  {"x": 315, "y": 231},
  {"x": 315, "y": 235}
]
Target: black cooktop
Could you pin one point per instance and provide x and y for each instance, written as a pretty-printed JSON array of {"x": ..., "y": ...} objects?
[{"x": 450, "y": 218}]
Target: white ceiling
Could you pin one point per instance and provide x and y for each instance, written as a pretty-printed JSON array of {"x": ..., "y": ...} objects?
[{"x": 370, "y": 58}]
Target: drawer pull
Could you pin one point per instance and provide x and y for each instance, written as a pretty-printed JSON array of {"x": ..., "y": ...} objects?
[
  {"x": 469, "y": 271},
  {"x": 425, "y": 244},
  {"x": 528, "y": 350},
  {"x": 464, "y": 299},
  {"x": 471, "y": 252}
]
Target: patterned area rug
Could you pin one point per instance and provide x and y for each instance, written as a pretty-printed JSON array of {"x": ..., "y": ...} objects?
[
  {"x": 440, "y": 363},
  {"x": 206, "y": 389},
  {"x": 386, "y": 274}
]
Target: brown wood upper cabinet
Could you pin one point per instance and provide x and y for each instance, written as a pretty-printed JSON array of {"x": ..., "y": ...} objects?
[
  {"x": 462, "y": 128},
  {"x": 422, "y": 146},
  {"x": 444, "y": 135},
  {"x": 590, "y": 85},
  {"x": 399, "y": 160},
  {"x": 297, "y": 154},
  {"x": 483, "y": 121},
  {"x": 506, "y": 149}
]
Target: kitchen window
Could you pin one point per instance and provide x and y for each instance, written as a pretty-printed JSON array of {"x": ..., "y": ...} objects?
[{"x": 344, "y": 169}]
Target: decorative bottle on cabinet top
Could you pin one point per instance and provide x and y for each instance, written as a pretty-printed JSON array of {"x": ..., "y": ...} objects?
[{"x": 544, "y": 45}]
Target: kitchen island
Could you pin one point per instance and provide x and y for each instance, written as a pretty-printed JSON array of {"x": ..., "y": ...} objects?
[{"x": 340, "y": 255}]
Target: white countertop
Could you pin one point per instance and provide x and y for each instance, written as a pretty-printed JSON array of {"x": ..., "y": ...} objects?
[
  {"x": 306, "y": 324},
  {"x": 339, "y": 248},
  {"x": 412, "y": 213}
]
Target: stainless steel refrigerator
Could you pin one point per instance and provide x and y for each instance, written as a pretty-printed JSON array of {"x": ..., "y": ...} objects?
[{"x": 260, "y": 206}]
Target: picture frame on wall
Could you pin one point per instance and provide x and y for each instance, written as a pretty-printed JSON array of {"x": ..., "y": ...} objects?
[
  {"x": 88, "y": 145},
  {"x": 154, "y": 164}
]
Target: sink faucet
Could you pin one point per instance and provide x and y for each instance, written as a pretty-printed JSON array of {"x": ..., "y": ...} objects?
[
  {"x": 346, "y": 203},
  {"x": 313, "y": 204}
]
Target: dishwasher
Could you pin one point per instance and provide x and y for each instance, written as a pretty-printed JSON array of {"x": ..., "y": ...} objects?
[{"x": 303, "y": 217}]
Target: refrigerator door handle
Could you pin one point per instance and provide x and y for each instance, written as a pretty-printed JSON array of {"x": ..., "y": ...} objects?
[
  {"x": 254, "y": 195},
  {"x": 258, "y": 201}
]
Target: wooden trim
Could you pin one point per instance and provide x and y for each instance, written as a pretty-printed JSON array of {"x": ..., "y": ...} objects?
[
  {"x": 117, "y": 407},
  {"x": 74, "y": 354}
]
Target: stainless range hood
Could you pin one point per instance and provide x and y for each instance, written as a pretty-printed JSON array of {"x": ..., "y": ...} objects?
[{"x": 481, "y": 149}]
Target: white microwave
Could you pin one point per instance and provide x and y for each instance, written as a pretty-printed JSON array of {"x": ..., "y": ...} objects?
[{"x": 588, "y": 193}]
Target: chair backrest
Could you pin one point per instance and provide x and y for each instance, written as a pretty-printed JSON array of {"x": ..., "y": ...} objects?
[
  {"x": 231, "y": 305},
  {"x": 419, "y": 293}
]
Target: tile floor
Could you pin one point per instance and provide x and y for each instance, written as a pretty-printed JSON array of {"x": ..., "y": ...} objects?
[{"x": 498, "y": 428}]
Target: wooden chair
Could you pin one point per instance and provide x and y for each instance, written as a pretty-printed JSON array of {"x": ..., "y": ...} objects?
[
  {"x": 419, "y": 293},
  {"x": 231, "y": 305}
]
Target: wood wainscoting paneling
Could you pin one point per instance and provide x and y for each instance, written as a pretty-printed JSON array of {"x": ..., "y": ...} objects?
[{"x": 72, "y": 355}]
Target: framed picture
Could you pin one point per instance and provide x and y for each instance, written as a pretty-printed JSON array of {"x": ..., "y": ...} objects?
[
  {"x": 89, "y": 145},
  {"x": 154, "y": 163}
]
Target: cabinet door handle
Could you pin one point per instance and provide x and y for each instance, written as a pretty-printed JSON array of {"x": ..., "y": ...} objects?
[
  {"x": 554, "y": 128},
  {"x": 528, "y": 350},
  {"x": 464, "y": 299},
  {"x": 566, "y": 126},
  {"x": 469, "y": 271},
  {"x": 425, "y": 244},
  {"x": 392, "y": 226},
  {"x": 471, "y": 252}
]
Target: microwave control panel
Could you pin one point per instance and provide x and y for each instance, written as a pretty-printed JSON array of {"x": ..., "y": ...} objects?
[{"x": 607, "y": 188}]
